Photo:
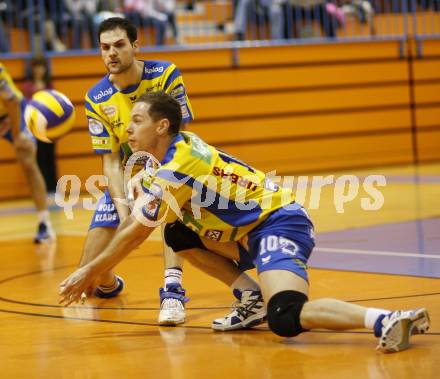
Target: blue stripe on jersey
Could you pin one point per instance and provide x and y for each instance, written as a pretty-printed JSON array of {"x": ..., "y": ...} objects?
[
  {"x": 102, "y": 91},
  {"x": 154, "y": 69},
  {"x": 89, "y": 108},
  {"x": 173, "y": 76},
  {"x": 229, "y": 158},
  {"x": 171, "y": 150},
  {"x": 230, "y": 213}
]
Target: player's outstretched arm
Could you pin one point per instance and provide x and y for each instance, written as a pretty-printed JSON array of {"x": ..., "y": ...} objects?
[
  {"x": 129, "y": 235},
  {"x": 112, "y": 169}
]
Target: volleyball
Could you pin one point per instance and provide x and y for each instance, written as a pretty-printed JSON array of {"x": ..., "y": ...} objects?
[{"x": 49, "y": 115}]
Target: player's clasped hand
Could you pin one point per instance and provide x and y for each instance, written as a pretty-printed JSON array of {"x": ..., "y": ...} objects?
[{"x": 73, "y": 288}]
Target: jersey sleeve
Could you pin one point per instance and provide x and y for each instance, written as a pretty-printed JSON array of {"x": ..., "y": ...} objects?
[
  {"x": 175, "y": 87},
  {"x": 164, "y": 196},
  {"x": 103, "y": 139},
  {"x": 7, "y": 93}
]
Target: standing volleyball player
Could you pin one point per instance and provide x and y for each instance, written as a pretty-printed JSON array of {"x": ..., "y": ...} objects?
[
  {"x": 108, "y": 106},
  {"x": 13, "y": 128},
  {"x": 205, "y": 222}
]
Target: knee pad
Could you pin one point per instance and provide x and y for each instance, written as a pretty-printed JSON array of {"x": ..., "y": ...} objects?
[
  {"x": 179, "y": 237},
  {"x": 283, "y": 313}
]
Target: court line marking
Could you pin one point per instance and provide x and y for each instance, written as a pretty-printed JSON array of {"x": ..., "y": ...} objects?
[
  {"x": 148, "y": 324},
  {"x": 376, "y": 252},
  {"x": 19, "y": 276},
  {"x": 156, "y": 238},
  {"x": 121, "y": 308},
  {"x": 252, "y": 330},
  {"x": 70, "y": 233}
]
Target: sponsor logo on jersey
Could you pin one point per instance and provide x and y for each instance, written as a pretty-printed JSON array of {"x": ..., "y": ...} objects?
[
  {"x": 153, "y": 70},
  {"x": 96, "y": 127},
  {"x": 100, "y": 141},
  {"x": 213, "y": 234},
  {"x": 176, "y": 92},
  {"x": 117, "y": 123},
  {"x": 153, "y": 200},
  {"x": 181, "y": 101},
  {"x": 109, "y": 110},
  {"x": 235, "y": 178},
  {"x": 270, "y": 185},
  {"x": 133, "y": 98},
  {"x": 184, "y": 110},
  {"x": 102, "y": 94}
]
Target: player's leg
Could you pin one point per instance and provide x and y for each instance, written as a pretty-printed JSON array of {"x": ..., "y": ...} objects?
[
  {"x": 219, "y": 261},
  {"x": 26, "y": 152},
  {"x": 104, "y": 223},
  {"x": 290, "y": 313},
  {"x": 172, "y": 295},
  {"x": 281, "y": 251}
]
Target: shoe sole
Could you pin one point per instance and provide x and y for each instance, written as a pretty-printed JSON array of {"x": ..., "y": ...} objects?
[
  {"x": 248, "y": 323},
  {"x": 419, "y": 324},
  {"x": 170, "y": 322}
]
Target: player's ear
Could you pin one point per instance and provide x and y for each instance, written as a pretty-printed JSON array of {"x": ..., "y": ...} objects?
[
  {"x": 163, "y": 126},
  {"x": 136, "y": 46}
]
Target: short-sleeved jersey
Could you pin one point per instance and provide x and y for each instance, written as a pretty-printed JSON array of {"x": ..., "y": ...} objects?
[
  {"x": 108, "y": 108},
  {"x": 8, "y": 90},
  {"x": 211, "y": 192}
]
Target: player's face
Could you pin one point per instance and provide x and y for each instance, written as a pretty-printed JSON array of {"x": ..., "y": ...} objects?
[
  {"x": 142, "y": 131},
  {"x": 116, "y": 50}
]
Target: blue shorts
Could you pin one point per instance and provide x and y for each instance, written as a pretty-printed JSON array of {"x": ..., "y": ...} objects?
[
  {"x": 106, "y": 215},
  {"x": 284, "y": 241},
  {"x": 23, "y": 127}
]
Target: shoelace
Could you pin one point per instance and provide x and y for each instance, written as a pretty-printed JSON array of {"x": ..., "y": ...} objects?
[{"x": 172, "y": 303}]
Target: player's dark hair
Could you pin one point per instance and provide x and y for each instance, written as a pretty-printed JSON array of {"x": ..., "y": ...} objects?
[
  {"x": 113, "y": 23},
  {"x": 163, "y": 105}
]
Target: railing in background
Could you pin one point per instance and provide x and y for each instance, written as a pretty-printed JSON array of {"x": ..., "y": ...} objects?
[{"x": 31, "y": 26}]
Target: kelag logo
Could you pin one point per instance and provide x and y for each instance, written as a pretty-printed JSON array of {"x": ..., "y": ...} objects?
[{"x": 102, "y": 94}]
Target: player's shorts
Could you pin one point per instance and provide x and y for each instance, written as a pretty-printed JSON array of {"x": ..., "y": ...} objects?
[
  {"x": 106, "y": 215},
  {"x": 23, "y": 127},
  {"x": 284, "y": 241}
]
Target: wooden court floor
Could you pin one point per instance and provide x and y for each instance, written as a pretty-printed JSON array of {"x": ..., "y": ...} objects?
[{"x": 120, "y": 337}]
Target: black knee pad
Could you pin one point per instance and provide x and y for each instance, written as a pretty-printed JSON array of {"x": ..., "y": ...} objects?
[
  {"x": 283, "y": 313},
  {"x": 179, "y": 237}
]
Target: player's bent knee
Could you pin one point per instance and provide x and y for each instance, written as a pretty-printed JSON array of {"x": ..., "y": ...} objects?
[
  {"x": 180, "y": 238},
  {"x": 283, "y": 313},
  {"x": 25, "y": 150}
]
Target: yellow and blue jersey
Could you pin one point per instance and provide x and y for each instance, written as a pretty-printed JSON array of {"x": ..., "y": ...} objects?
[
  {"x": 214, "y": 194},
  {"x": 8, "y": 90},
  {"x": 108, "y": 108}
]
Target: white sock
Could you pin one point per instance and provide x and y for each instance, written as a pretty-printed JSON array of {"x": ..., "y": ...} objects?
[
  {"x": 173, "y": 276},
  {"x": 372, "y": 315},
  {"x": 245, "y": 282},
  {"x": 43, "y": 216}
]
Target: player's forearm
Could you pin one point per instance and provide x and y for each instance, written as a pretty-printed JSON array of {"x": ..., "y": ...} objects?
[
  {"x": 115, "y": 186},
  {"x": 128, "y": 236}
]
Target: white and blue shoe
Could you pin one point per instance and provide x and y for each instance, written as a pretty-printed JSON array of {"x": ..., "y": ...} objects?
[
  {"x": 395, "y": 329},
  {"x": 172, "y": 305},
  {"x": 249, "y": 311},
  {"x": 114, "y": 290}
]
